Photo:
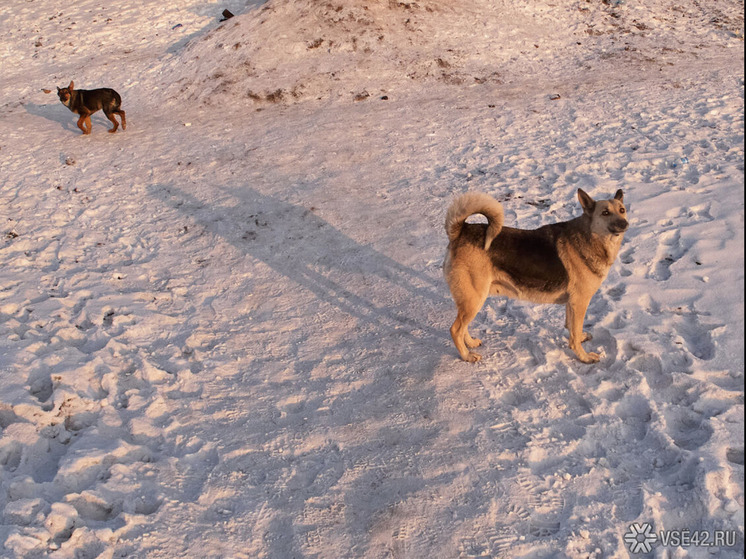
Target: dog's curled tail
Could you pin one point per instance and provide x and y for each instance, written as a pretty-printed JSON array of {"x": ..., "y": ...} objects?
[{"x": 475, "y": 203}]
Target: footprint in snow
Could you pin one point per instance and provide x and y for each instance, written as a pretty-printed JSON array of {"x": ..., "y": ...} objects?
[
  {"x": 701, "y": 213},
  {"x": 735, "y": 456},
  {"x": 697, "y": 337},
  {"x": 670, "y": 250},
  {"x": 652, "y": 367},
  {"x": 688, "y": 429},
  {"x": 543, "y": 528},
  {"x": 10, "y": 455},
  {"x": 635, "y": 413},
  {"x": 40, "y": 385},
  {"x": 628, "y": 502},
  {"x": 628, "y": 256},
  {"x": 543, "y": 508},
  {"x": 473, "y": 549},
  {"x": 615, "y": 293},
  {"x": 501, "y": 540}
]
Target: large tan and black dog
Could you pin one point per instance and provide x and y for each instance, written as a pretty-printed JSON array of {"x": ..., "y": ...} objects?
[
  {"x": 85, "y": 102},
  {"x": 562, "y": 263}
]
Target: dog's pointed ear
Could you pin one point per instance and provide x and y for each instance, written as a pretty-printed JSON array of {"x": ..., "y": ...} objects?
[
  {"x": 58, "y": 89},
  {"x": 619, "y": 195},
  {"x": 71, "y": 86},
  {"x": 586, "y": 201}
]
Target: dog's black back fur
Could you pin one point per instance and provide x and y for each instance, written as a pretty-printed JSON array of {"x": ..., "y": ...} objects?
[{"x": 530, "y": 257}]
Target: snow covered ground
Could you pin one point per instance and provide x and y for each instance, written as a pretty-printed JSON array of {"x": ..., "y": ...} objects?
[{"x": 224, "y": 331}]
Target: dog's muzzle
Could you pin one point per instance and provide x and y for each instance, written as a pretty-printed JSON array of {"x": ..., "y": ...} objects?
[{"x": 618, "y": 227}]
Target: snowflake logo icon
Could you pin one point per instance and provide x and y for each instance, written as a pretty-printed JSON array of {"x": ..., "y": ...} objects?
[{"x": 640, "y": 538}]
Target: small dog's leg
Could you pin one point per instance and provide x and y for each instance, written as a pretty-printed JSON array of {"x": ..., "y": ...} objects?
[
  {"x": 575, "y": 309},
  {"x": 85, "y": 119},
  {"x": 110, "y": 116},
  {"x": 120, "y": 112},
  {"x": 587, "y": 337}
]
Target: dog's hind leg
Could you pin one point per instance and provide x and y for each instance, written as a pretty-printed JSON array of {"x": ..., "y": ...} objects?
[
  {"x": 120, "y": 112},
  {"x": 469, "y": 301},
  {"x": 471, "y": 342},
  {"x": 110, "y": 116}
]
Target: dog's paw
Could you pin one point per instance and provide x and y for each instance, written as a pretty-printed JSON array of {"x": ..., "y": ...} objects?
[
  {"x": 473, "y": 342},
  {"x": 472, "y": 357},
  {"x": 590, "y": 358}
]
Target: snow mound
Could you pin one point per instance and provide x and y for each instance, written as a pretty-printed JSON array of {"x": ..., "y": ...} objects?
[{"x": 295, "y": 50}]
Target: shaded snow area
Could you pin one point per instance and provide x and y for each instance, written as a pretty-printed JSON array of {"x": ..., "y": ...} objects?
[{"x": 224, "y": 331}]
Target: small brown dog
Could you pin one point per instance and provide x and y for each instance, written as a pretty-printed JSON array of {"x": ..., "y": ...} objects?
[
  {"x": 85, "y": 102},
  {"x": 562, "y": 263}
]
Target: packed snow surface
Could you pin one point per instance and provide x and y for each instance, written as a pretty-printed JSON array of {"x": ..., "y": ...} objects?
[{"x": 224, "y": 331}]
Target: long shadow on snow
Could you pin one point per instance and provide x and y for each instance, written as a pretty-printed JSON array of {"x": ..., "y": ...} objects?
[
  {"x": 367, "y": 479},
  {"x": 301, "y": 246}
]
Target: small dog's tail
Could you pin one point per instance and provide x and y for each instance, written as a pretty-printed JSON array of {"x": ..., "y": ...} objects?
[
  {"x": 115, "y": 103},
  {"x": 475, "y": 203}
]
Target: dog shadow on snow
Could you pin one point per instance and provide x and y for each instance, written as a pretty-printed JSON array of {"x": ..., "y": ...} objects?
[
  {"x": 298, "y": 244},
  {"x": 377, "y": 398},
  {"x": 383, "y": 365},
  {"x": 57, "y": 112}
]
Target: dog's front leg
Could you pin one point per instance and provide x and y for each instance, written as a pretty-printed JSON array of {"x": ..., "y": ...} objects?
[
  {"x": 575, "y": 310},
  {"x": 83, "y": 121},
  {"x": 587, "y": 336}
]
